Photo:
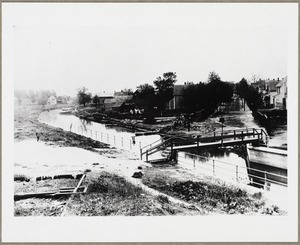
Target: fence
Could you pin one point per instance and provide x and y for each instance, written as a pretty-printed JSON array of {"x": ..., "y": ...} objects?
[
  {"x": 207, "y": 166},
  {"x": 231, "y": 172},
  {"x": 124, "y": 142}
]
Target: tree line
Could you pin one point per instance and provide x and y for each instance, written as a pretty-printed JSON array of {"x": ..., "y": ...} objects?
[
  {"x": 207, "y": 95},
  {"x": 39, "y": 97},
  {"x": 204, "y": 95}
]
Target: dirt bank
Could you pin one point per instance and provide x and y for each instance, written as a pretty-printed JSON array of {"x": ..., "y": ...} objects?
[{"x": 26, "y": 125}]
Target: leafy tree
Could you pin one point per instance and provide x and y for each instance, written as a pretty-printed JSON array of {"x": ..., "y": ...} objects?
[
  {"x": 164, "y": 86},
  {"x": 242, "y": 88},
  {"x": 207, "y": 95},
  {"x": 144, "y": 96},
  {"x": 20, "y": 95},
  {"x": 213, "y": 77},
  {"x": 218, "y": 90},
  {"x": 191, "y": 97},
  {"x": 83, "y": 96},
  {"x": 127, "y": 91},
  {"x": 96, "y": 100},
  {"x": 250, "y": 94},
  {"x": 144, "y": 90},
  {"x": 42, "y": 96}
]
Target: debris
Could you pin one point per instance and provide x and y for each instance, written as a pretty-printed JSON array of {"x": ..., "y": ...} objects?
[
  {"x": 137, "y": 175},
  {"x": 63, "y": 176}
]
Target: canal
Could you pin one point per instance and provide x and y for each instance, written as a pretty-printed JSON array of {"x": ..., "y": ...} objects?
[{"x": 221, "y": 163}]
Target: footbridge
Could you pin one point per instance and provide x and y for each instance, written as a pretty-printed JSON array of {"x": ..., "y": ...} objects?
[{"x": 171, "y": 143}]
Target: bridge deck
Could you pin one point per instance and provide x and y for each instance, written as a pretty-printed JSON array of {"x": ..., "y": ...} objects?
[{"x": 215, "y": 144}]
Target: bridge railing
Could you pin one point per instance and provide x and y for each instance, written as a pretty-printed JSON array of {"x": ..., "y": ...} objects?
[{"x": 232, "y": 172}]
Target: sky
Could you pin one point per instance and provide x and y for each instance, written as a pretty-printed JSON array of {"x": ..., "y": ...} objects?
[{"x": 109, "y": 47}]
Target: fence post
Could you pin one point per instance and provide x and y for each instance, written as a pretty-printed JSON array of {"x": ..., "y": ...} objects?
[
  {"x": 222, "y": 137},
  {"x": 194, "y": 162},
  {"x": 265, "y": 177},
  {"x": 146, "y": 155},
  {"x": 234, "y": 133},
  {"x": 253, "y": 133},
  {"x": 141, "y": 153},
  {"x": 214, "y": 171},
  {"x": 237, "y": 173},
  {"x": 242, "y": 136},
  {"x": 197, "y": 140}
]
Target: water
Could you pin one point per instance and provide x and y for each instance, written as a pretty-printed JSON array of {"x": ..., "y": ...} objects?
[
  {"x": 218, "y": 162},
  {"x": 115, "y": 136},
  {"x": 244, "y": 119}
]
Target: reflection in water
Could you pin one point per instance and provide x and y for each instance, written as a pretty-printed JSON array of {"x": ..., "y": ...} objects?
[
  {"x": 116, "y": 136},
  {"x": 219, "y": 162},
  {"x": 224, "y": 165}
]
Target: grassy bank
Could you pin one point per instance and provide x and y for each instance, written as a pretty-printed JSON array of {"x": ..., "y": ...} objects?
[
  {"x": 214, "y": 196},
  {"x": 110, "y": 194}
]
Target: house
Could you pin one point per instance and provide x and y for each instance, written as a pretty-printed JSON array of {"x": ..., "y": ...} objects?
[
  {"x": 103, "y": 96},
  {"x": 273, "y": 91},
  {"x": 260, "y": 85},
  {"x": 281, "y": 96},
  {"x": 63, "y": 99},
  {"x": 51, "y": 102},
  {"x": 176, "y": 102},
  {"x": 118, "y": 103},
  {"x": 270, "y": 92}
]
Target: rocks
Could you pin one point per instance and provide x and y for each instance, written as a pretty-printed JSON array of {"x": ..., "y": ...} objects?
[
  {"x": 137, "y": 175},
  {"x": 43, "y": 178},
  {"x": 257, "y": 195}
]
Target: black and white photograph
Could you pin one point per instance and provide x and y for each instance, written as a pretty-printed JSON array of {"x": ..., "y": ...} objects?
[{"x": 150, "y": 122}]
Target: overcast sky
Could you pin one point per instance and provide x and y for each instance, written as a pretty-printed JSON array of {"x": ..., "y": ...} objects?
[{"x": 109, "y": 47}]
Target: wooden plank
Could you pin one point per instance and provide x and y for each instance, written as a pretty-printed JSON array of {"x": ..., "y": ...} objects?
[
  {"x": 79, "y": 183},
  {"x": 158, "y": 160},
  {"x": 214, "y": 144},
  {"x": 30, "y": 195}
]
